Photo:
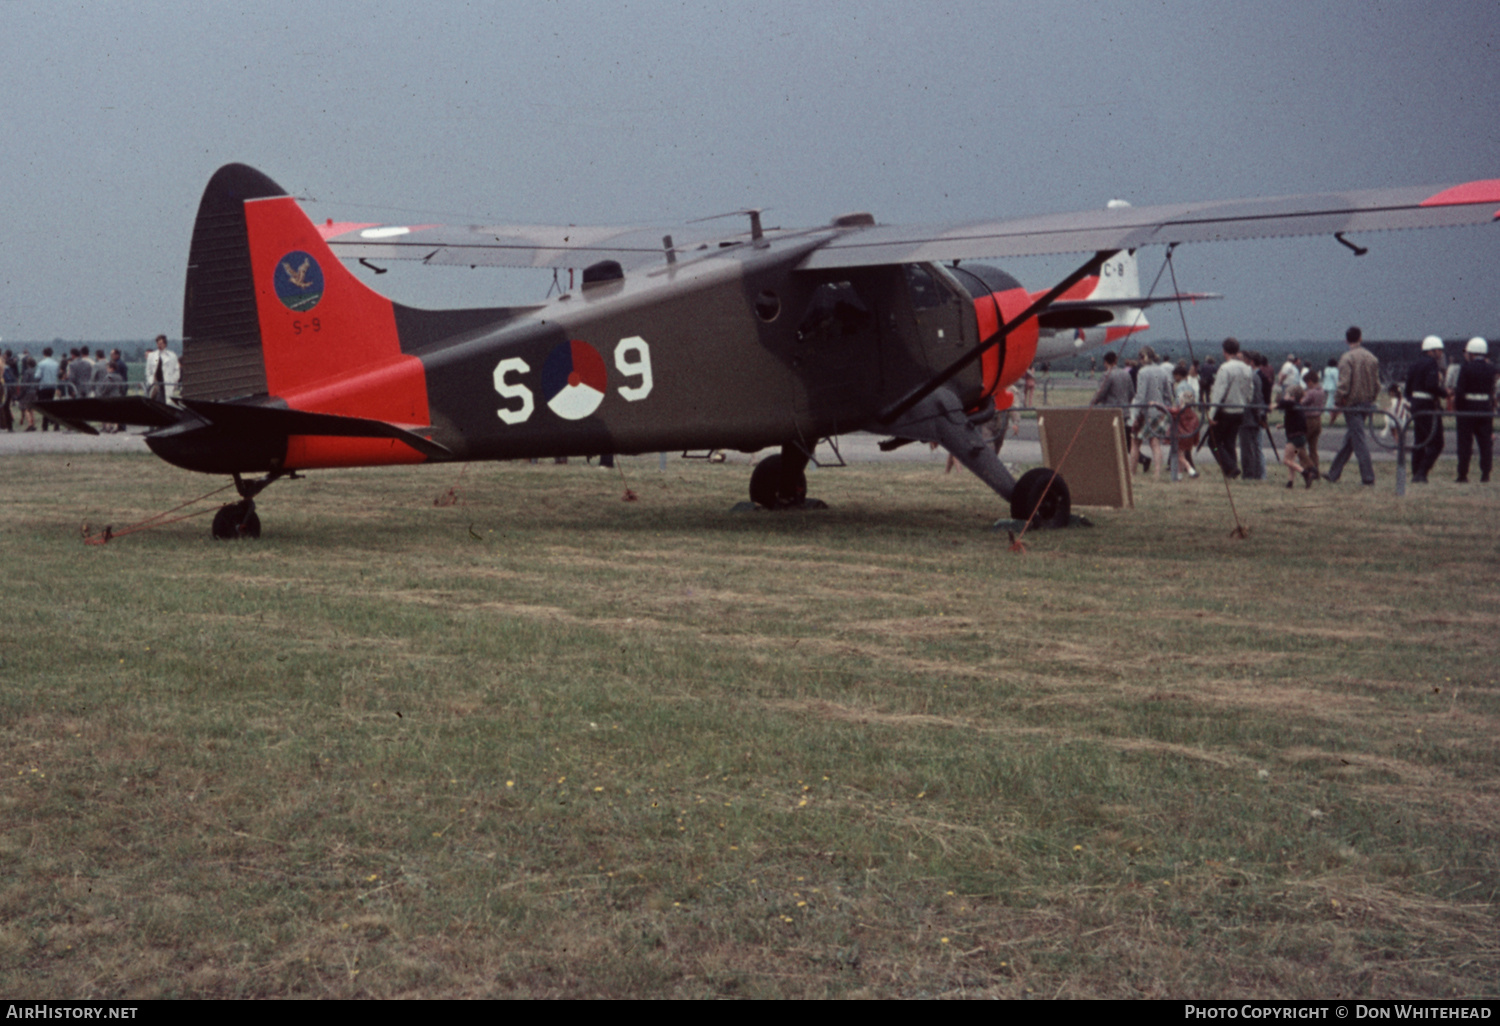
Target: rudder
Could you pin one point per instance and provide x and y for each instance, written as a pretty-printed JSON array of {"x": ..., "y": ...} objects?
[
  {"x": 271, "y": 314},
  {"x": 269, "y": 310},
  {"x": 1119, "y": 278},
  {"x": 272, "y": 317},
  {"x": 221, "y": 346}
]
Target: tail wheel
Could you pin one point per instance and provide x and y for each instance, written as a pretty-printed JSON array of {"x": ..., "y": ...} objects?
[
  {"x": 767, "y": 489},
  {"x": 1056, "y": 504},
  {"x": 235, "y": 521}
]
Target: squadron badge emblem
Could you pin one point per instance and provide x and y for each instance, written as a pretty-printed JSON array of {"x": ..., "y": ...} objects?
[{"x": 299, "y": 281}]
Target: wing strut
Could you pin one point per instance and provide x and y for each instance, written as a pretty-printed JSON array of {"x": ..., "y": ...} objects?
[
  {"x": 902, "y": 406},
  {"x": 1181, "y": 314}
]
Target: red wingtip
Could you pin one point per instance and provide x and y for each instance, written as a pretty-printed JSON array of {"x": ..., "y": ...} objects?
[
  {"x": 1485, "y": 191},
  {"x": 333, "y": 229}
]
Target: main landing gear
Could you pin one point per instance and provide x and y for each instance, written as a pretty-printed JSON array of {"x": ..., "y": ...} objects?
[
  {"x": 941, "y": 418},
  {"x": 780, "y": 481},
  {"x": 1040, "y": 485},
  {"x": 237, "y": 520}
]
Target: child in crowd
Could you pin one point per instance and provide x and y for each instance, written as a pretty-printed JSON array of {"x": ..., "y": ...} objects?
[
  {"x": 1314, "y": 402},
  {"x": 1185, "y": 409},
  {"x": 1397, "y": 414},
  {"x": 1295, "y": 456}
]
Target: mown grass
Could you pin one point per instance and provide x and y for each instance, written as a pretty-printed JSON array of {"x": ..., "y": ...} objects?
[{"x": 548, "y": 743}]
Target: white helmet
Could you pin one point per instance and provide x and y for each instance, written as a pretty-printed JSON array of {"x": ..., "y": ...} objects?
[
  {"x": 1431, "y": 342},
  {"x": 1477, "y": 345}
]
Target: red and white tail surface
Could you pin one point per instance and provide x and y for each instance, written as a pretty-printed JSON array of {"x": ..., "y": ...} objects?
[
  {"x": 272, "y": 317},
  {"x": 330, "y": 343}
]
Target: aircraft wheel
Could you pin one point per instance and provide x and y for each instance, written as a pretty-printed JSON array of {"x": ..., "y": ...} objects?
[
  {"x": 236, "y": 520},
  {"x": 765, "y": 485},
  {"x": 1057, "y": 506}
]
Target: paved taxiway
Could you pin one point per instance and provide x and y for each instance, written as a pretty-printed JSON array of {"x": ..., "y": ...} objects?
[{"x": 855, "y": 448}]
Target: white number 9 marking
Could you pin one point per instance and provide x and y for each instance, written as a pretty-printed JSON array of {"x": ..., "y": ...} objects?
[{"x": 633, "y": 358}]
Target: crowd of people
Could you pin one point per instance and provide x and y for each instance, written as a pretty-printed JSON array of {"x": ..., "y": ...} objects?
[
  {"x": 1226, "y": 405},
  {"x": 76, "y": 374},
  {"x": 1229, "y": 406}
]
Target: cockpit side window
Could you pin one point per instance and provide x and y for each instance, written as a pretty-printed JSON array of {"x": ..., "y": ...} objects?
[{"x": 925, "y": 289}]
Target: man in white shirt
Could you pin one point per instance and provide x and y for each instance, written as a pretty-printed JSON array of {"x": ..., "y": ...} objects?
[
  {"x": 162, "y": 371},
  {"x": 1234, "y": 389},
  {"x": 47, "y": 374},
  {"x": 1289, "y": 375}
]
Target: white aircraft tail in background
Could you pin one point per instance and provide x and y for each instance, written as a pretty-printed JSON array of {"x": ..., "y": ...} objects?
[{"x": 1102, "y": 310}]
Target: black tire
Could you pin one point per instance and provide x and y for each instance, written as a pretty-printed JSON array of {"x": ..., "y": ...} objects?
[
  {"x": 1056, "y": 505},
  {"x": 235, "y": 521},
  {"x": 765, "y": 485}
]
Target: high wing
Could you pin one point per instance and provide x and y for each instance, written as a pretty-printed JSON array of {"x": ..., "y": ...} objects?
[
  {"x": 1128, "y": 228},
  {"x": 850, "y": 244},
  {"x": 533, "y": 245}
]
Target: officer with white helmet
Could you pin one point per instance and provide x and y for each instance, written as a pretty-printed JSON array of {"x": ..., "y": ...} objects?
[
  {"x": 1425, "y": 392},
  {"x": 1475, "y": 393}
]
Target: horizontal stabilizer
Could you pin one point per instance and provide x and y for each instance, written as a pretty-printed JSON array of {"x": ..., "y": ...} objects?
[
  {"x": 125, "y": 409},
  {"x": 278, "y": 420},
  {"x": 240, "y": 418},
  {"x": 1132, "y": 302}
]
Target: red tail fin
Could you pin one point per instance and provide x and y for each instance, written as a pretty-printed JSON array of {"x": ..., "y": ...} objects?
[{"x": 271, "y": 312}]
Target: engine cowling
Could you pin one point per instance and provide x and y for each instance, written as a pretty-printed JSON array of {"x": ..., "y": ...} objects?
[{"x": 998, "y": 297}]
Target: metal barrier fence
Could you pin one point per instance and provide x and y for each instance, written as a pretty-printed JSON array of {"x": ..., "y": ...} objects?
[
  {"x": 26, "y": 391},
  {"x": 1398, "y": 441},
  {"x": 1408, "y": 423},
  {"x": 1398, "y": 425}
]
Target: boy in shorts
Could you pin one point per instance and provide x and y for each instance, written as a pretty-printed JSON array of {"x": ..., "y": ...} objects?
[
  {"x": 1295, "y": 456},
  {"x": 1314, "y": 402}
]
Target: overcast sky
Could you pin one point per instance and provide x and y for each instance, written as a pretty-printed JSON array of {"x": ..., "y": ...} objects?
[{"x": 116, "y": 115}]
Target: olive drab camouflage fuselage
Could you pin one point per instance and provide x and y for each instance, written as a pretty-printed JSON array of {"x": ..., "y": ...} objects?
[{"x": 731, "y": 347}]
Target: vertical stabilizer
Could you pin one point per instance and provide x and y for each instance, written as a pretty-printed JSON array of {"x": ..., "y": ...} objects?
[
  {"x": 221, "y": 346},
  {"x": 270, "y": 311},
  {"x": 271, "y": 314},
  {"x": 1118, "y": 278},
  {"x": 272, "y": 317}
]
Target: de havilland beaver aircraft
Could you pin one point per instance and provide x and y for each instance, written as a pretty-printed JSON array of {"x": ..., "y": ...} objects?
[{"x": 698, "y": 339}]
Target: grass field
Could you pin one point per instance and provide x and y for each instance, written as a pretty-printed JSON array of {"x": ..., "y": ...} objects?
[{"x": 544, "y": 742}]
